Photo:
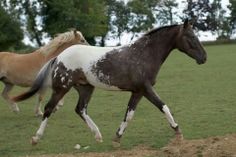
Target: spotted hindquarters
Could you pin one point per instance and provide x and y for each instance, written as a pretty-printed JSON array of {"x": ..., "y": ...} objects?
[{"x": 66, "y": 78}]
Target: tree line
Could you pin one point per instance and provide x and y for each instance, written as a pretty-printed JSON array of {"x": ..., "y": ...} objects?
[{"x": 100, "y": 20}]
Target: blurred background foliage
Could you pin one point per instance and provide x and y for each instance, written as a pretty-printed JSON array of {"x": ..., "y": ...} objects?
[{"x": 101, "y": 20}]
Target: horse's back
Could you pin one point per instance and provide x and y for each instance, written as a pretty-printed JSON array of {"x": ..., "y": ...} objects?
[{"x": 81, "y": 56}]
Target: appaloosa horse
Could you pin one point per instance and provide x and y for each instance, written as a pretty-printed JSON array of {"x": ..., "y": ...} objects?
[
  {"x": 21, "y": 69},
  {"x": 129, "y": 68}
]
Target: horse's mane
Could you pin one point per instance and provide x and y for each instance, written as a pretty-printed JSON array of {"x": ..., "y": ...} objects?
[
  {"x": 152, "y": 31},
  {"x": 56, "y": 42}
]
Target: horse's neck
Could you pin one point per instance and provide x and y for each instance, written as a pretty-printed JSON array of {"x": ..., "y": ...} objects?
[
  {"x": 163, "y": 44},
  {"x": 58, "y": 50}
]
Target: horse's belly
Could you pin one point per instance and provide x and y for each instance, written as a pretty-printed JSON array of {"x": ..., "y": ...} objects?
[{"x": 93, "y": 80}]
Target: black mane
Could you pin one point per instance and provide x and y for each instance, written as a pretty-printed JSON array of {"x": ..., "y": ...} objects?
[{"x": 158, "y": 29}]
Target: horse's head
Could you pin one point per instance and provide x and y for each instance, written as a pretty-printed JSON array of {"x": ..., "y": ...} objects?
[
  {"x": 189, "y": 43},
  {"x": 79, "y": 38}
]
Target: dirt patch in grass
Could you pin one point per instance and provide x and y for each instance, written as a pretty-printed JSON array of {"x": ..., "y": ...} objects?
[{"x": 219, "y": 146}]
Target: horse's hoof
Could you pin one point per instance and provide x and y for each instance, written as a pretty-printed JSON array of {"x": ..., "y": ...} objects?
[
  {"x": 115, "y": 144},
  {"x": 39, "y": 114},
  {"x": 99, "y": 140},
  {"x": 15, "y": 109},
  {"x": 179, "y": 137},
  {"x": 34, "y": 140}
]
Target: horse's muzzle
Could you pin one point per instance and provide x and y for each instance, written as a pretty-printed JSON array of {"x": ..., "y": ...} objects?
[{"x": 202, "y": 60}]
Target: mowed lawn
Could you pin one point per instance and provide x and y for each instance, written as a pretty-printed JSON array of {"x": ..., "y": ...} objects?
[{"x": 202, "y": 99}]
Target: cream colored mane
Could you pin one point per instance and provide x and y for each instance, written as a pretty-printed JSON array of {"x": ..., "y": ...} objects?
[{"x": 60, "y": 39}]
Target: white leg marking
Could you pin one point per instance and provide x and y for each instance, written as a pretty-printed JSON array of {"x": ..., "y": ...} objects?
[
  {"x": 130, "y": 115},
  {"x": 40, "y": 132},
  {"x": 42, "y": 127},
  {"x": 123, "y": 125},
  {"x": 92, "y": 126},
  {"x": 169, "y": 116}
]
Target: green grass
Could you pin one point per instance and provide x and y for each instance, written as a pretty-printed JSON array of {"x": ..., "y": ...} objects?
[{"x": 201, "y": 98}]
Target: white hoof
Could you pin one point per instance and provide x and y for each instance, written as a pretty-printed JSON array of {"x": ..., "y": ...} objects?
[
  {"x": 98, "y": 138},
  {"x": 39, "y": 114},
  {"x": 15, "y": 108},
  {"x": 34, "y": 140},
  {"x": 77, "y": 146}
]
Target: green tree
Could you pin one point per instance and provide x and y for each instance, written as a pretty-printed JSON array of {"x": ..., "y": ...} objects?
[
  {"x": 220, "y": 20},
  {"x": 119, "y": 14},
  {"x": 88, "y": 16},
  {"x": 201, "y": 12},
  {"x": 10, "y": 31},
  {"x": 142, "y": 17},
  {"x": 232, "y": 8},
  {"x": 165, "y": 11},
  {"x": 27, "y": 11},
  {"x": 209, "y": 16}
]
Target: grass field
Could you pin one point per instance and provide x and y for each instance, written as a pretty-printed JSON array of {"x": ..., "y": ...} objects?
[{"x": 202, "y": 99}]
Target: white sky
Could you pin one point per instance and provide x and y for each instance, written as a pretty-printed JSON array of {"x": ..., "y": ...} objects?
[{"x": 126, "y": 37}]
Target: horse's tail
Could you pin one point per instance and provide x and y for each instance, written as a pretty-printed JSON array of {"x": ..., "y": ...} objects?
[{"x": 41, "y": 82}]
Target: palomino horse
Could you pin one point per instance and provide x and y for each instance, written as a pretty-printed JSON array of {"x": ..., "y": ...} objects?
[
  {"x": 21, "y": 69},
  {"x": 129, "y": 68}
]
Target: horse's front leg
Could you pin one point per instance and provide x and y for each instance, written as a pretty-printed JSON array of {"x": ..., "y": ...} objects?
[
  {"x": 151, "y": 95},
  {"x": 85, "y": 92},
  {"x": 134, "y": 99},
  {"x": 8, "y": 87}
]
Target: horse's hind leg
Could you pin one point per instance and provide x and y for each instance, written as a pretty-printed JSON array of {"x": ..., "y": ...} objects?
[
  {"x": 134, "y": 99},
  {"x": 154, "y": 98},
  {"x": 38, "y": 111},
  {"x": 85, "y": 92},
  {"x": 55, "y": 98},
  {"x": 8, "y": 87}
]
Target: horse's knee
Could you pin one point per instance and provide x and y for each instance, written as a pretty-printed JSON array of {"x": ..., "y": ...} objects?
[
  {"x": 80, "y": 112},
  {"x": 47, "y": 111}
]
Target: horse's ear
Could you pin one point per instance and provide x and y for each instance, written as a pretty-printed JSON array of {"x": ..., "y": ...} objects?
[
  {"x": 76, "y": 34},
  {"x": 192, "y": 21},
  {"x": 186, "y": 23}
]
